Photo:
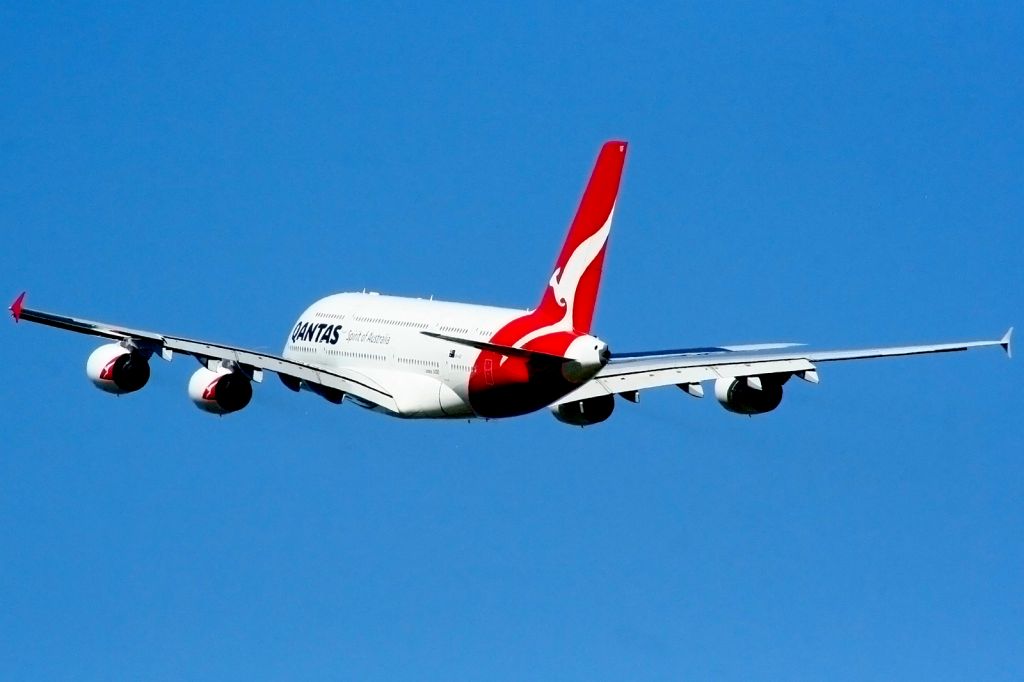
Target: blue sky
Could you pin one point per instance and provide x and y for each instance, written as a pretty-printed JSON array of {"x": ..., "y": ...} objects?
[{"x": 840, "y": 176}]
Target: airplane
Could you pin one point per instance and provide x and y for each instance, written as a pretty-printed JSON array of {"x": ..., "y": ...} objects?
[{"x": 430, "y": 359}]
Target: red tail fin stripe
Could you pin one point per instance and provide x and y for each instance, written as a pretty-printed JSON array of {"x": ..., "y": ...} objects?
[
  {"x": 577, "y": 274},
  {"x": 598, "y": 198}
]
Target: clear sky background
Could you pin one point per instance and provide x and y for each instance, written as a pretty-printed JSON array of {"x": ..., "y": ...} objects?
[{"x": 839, "y": 176}]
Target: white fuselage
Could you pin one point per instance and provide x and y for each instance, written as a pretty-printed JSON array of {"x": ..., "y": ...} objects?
[{"x": 380, "y": 338}]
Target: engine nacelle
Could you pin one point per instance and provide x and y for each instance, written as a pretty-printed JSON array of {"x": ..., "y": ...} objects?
[
  {"x": 585, "y": 412},
  {"x": 220, "y": 392},
  {"x": 737, "y": 396},
  {"x": 116, "y": 369}
]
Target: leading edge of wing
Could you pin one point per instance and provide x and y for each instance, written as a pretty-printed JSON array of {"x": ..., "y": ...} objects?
[{"x": 351, "y": 382}]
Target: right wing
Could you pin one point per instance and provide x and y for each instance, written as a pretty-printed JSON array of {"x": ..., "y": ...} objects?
[
  {"x": 347, "y": 381},
  {"x": 626, "y": 374}
]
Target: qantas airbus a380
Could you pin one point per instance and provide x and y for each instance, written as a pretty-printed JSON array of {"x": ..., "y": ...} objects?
[{"x": 415, "y": 358}]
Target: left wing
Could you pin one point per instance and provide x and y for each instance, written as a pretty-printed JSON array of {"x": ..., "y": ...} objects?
[
  {"x": 627, "y": 374},
  {"x": 250, "y": 361}
]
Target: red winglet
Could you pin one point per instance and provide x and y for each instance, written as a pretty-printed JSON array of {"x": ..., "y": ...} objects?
[{"x": 17, "y": 306}]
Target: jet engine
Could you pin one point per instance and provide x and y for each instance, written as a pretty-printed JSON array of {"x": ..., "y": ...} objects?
[
  {"x": 585, "y": 412},
  {"x": 116, "y": 369},
  {"x": 739, "y": 396},
  {"x": 220, "y": 392}
]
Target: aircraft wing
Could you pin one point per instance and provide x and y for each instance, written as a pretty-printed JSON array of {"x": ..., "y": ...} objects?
[
  {"x": 253, "y": 362},
  {"x": 629, "y": 373}
]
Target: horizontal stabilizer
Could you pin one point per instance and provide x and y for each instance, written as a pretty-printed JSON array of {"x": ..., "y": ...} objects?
[
  {"x": 1005, "y": 342},
  {"x": 510, "y": 351}
]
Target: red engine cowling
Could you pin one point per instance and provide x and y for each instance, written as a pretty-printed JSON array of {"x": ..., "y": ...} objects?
[
  {"x": 116, "y": 369},
  {"x": 220, "y": 392},
  {"x": 585, "y": 412},
  {"x": 736, "y": 395}
]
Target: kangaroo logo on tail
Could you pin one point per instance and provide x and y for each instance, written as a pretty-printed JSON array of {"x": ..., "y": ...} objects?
[
  {"x": 565, "y": 283},
  {"x": 577, "y": 275}
]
